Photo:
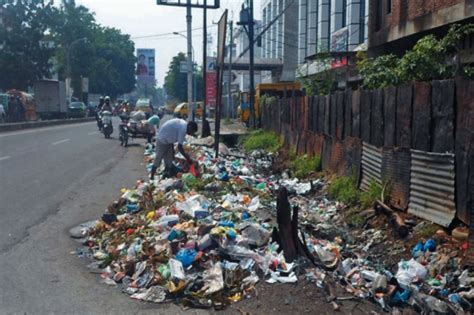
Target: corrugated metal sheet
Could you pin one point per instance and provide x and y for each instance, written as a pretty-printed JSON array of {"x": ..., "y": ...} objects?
[
  {"x": 396, "y": 170},
  {"x": 432, "y": 186},
  {"x": 371, "y": 165}
]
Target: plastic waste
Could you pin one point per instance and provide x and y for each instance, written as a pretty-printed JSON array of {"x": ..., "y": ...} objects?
[
  {"x": 186, "y": 256},
  {"x": 154, "y": 294},
  {"x": 213, "y": 279},
  {"x": 255, "y": 233},
  {"x": 430, "y": 245},
  {"x": 409, "y": 271},
  {"x": 176, "y": 269}
]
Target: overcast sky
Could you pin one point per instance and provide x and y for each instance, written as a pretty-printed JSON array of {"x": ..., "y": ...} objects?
[{"x": 144, "y": 18}]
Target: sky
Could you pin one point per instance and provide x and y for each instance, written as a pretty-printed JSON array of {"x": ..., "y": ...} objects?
[{"x": 140, "y": 18}]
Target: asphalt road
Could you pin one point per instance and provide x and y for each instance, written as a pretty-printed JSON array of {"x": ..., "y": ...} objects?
[{"x": 52, "y": 179}]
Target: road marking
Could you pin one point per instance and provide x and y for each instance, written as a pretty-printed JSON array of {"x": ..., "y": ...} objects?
[
  {"x": 60, "y": 141},
  {"x": 5, "y": 157},
  {"x": 40, "y": 129},
  {"x": 93, "y": 133}
]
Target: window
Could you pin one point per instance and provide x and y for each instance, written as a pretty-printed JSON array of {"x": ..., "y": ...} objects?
[
  {"x": 389, "y": 6},
  {"x": 344, "y": 12}
]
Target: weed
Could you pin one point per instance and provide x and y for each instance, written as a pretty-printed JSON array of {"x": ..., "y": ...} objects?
[
  {"x": 374, "y": 193},
  {"x": 303, "y": 165},
  {"x": 428, "y": 231},
  {"x": 227, "y": 121},
  {"x": 264, "y": 140},
  {"x": 344, "y": 189},
  {"x": 355, "y": 219}
]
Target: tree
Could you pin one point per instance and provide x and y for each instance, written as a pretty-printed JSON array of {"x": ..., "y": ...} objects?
[
  {"x": 26, "y": 51},
  {"x": 107, "y": 58},
  {"x": 175, "y": 81}
]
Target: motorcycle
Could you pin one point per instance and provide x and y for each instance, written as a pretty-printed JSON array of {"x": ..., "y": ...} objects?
[
  {"x": 98, "y": 117},
  {"x": 108, "y": 129},
  {"x": 123, "y": 130}
]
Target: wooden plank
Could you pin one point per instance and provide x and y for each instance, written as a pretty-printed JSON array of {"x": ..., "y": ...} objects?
[
  {"x": 321, "y": 107},
  {"x": 443, "y": 116},
  {"x": 356, "y": 114},
  {"x": 389, "y": 115},
  {"x": 421, "y": 127},
  {"x": 464, "y": 149},
  {"x": 340, "y": 114},
  {"x": 377, "y": 121},
  {"x": 347, "y": 113},
  {"x": 365, "y": 123},
  {"x": 327, "y": 114},
  {"x": 333, "y": 115},
  {"x": 314, "y": 113},
  {"x": 404, "y": 112}
]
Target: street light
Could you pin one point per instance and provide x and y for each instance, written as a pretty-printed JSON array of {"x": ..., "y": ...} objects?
[{"x": 191, "y": 77}]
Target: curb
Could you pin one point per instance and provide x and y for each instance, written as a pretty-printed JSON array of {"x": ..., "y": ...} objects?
[{"x": 39, "y": 124}]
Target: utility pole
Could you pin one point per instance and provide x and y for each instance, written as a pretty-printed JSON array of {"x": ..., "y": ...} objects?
[
  {"x": 205, "y": 130},
  {"x": 252, "y": 73},
  {"x": 190, "y": 59},
  {"x": 230, "y": 107}
]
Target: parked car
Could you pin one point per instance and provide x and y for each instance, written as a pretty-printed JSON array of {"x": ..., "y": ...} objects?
[
  {"x": 181, "y": 110},
  {"x": 91, "y": 109},
  {"x": 76, "y": 110}
]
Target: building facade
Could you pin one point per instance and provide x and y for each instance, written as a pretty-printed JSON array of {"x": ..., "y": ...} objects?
[
  {"x": 329, "y": 26},
  {"x": 280, "y": 37},
  {"x": 396, "y": 25}
]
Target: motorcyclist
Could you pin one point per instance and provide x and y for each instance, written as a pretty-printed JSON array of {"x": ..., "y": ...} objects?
[
  {"x": 98, "y": 109},
  {"x": 107, "y": 106}
]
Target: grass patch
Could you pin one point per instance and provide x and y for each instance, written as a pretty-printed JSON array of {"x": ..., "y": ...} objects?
[
  {"x": 302, "y": 166},
  {"x": 344, "y": 189},
  {"x": 227, "y": 121},
  {"x": 355, "y": 219},
  {"x": 264, "y": 140},
  {"x": 374, "y": 193},
  {"x": 428, "y": 231}
]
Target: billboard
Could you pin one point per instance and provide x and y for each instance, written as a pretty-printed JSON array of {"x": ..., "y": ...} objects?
[
  {"x": 211, "y": 82},
  {"x": 146, "y": 65}
]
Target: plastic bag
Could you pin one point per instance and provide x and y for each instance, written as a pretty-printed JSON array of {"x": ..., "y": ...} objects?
[
  {"x": 408, "y": 271},
  {"x": 213, "y": 279}
]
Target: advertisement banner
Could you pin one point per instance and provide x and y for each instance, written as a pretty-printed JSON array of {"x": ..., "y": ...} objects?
[
  {"x": 211, "y": 83},
  {"x": 146, "y": 65}
]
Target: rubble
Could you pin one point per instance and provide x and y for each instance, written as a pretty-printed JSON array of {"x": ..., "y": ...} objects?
[{"x": 207, "y": 239}]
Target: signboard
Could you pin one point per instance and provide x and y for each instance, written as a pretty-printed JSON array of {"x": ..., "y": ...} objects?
[
  {"x": 211, "y": 82},
  {"x": 211, "y": 4},
  {"x": 146, "y": 65},
  {"x": 221, "y": 34},
  {"x": 339, "y": 41},
  {"x": 85, "y": 85}
]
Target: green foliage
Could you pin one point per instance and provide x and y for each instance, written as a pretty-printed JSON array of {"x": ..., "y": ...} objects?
[
  {"x": 379, "y": 72},
  {"x": 39, "y": 34},
  {"x": 303, "y": 165},
  {"x": 260, "y": 139},
  {"x": 176, "y": 83},
  {"x": 427, "y": 230},
  {"x": 344, "y": 189},
  {"x": 429, "y": 59},
  {"x": 374, "y": 193},
  {"x": 321, "y": 83},
  {"x": 25, "y": 53}
]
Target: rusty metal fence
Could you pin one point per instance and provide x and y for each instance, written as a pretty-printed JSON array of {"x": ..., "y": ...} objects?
[{"x": 381, "y": 135}]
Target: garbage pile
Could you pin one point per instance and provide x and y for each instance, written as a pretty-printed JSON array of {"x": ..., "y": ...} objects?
[{"x": 204, "y": 239}]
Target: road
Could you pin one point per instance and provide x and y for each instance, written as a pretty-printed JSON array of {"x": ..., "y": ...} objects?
[{"x": 52, "y": 179}]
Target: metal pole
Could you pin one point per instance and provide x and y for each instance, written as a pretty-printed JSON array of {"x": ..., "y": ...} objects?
[
  {"x": 204, "y": 65},
  {"x": 194, "y": 81},
  {"x": 252, "y": 82},
  {"x": 229, "y": 79},
  {"x": 190, "y": 59}
]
